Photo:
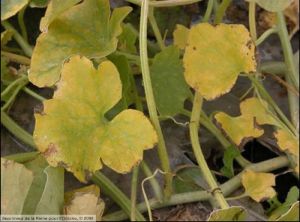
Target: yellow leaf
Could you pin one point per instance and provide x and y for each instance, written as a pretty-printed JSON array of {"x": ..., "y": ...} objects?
[
  {"x": 214, "y": 57},
  {"x": 259, "y": 185},
  {"x": 253, "y": 112},
  {"x": 10, "y": 7},
  {"x": 73, "y": 132},
  {"x": 234, "y": 213},
  {"x": 180, "y": 36},
  {"x": 88, "y": 29},
  {"x": 84, "y": 201}
]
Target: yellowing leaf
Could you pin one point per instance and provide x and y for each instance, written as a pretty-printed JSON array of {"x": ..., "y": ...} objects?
[
  {"x": 273, "y": 5},
  {"x": 15, "y": 183},
  {"x": 214, "y": 57},
  {"x": 292, "y": 214},
  {"x": 6, "y": 37},
  {"x": 234, "y": 213},
  {"x": 73, "y": 132},
  {"x": 11, "y": 7},
  {"x": 258, "y": 185},
  {"x": 54, "y": 9},
  {"x": 85, "y": 201},
  {"x": 86, "y": 29},
  {"x": 180, "y": 36},
  {"x": 253, "y": 112}
]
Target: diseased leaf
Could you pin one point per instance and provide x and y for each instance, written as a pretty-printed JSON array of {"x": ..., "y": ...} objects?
[
  {"x": 180, "y": 36},
  {"x": 292, "y": 214},
  {"x": 54, "y": 10},
  {"x": 292, "y": 13},
  {"x": 52, "y": 199},
  {"x": 15, "y": 183},
  {"x": 234, "y": 213},
  {"x": 86, "y": 137},
  {"x": 259, "y": 185},
  {"x": 46, "y": 192},
  {"x": 229, "y": 155},
  {"x": 212, "y": 63},
  {"x": 86, "y": 29},
  {"x": 273, "y": 5},
  {"x": 127, "y": 39},
  {"x": 170, "y": 89},
  {"x": 10, "y": 7},
  {"x": 291, "y": 198},
  {"x": 253, "y": 112},
  {"x": 84, "y": 201}
]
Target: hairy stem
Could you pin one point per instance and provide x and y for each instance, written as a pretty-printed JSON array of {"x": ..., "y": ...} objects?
[
  {"x": 155, "y": 29},
  {"x": 22, "y": 23},
  {"x": 194, "y": 124},
  {"x": 265, "y": 35},
  {"x": 134, "y": 182},
  {"x": 162, "y": 151},
  {"x": 252, "y": 20},
  {"x": 209, "y": 9},
  {"x": 16, "y": 58}
]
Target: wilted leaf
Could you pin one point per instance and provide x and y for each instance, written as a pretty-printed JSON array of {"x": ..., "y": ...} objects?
[
  {"x": 86, "y": 29},
  {"x": 127, "y": 39},
  {"x": 292, "y": 214},
  {"x": 291, "y": 198},
  {"x": 234, "y": 213},
  {"x": 259, "y": 185},
  {"x": 85, "y": 138},
  {"x": 170, "y": 89},
  {"x": 46, "y": 192},
  {"x": 292, "y": 13},
  {"x": 212, "y": 62},
  {"x": 180, "y": 36},
  {"x": 6, "y": 37},
  {"x": 253, "y": 112},
  {"x": 11, "y": 7},
  {"x": 54, "y": 10},
  {"x": 229, "y": 155},
  {"x": 273, "y": 5},
  {"x": 15, "y": 183},
  {"x": 84, "y": 201}
]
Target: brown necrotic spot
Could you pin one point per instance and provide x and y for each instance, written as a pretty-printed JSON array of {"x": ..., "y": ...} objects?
[
  {"x": 39, "y": 109},
  {"x": 52, "y": 149},
  {"x": 194, "y": 48}
]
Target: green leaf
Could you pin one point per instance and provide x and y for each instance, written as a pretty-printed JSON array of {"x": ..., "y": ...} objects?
[
  {"x": 46, "y": 192},
  {"x": 86, "y": 139},
  {"x": 10, "y": 7},
  {"x": 127, "y": 39},
  {"x": 291, "y": 198},
  {"x": 229, "y": 155},
  {"x": 170, "y": 89},
  {"x": 259, "y": 185},
  {"x": 292, "y": 214},
  {"x": 212, "y": 62},
  {"x": 84, "y": 201},
  {"x": 273, "y": 5},
  {"x": 54, "y": 10},
  {"x": 234, "y": 213},
  {"x": 86, "y": 29},
  {"x": 188, "y": 180},
  {"x": 15, "y": 183},
  {"x": 52, "y": 199}
]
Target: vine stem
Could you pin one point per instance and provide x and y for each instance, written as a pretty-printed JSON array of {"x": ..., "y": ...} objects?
[
  {"x": 265, "y": 35},
  {"x": 22, "y": 23},
  {"x": 16, "y": 58},
  {"x": 134, "y": 181},
  {"x": 162, "y": 151},
  {"x": 252, "y": 20},
  {"x": 221, "y": 11},
  {"x": 287, "y": 49},
  {"x": 155, "y": 29},
  {"x": 228, "y": 187},
  {"x": 194, "y": 124},
  {"x": 209, "y": 9},
  {"x": 20, "y": 40}
]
